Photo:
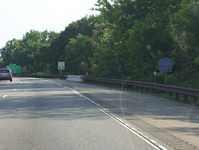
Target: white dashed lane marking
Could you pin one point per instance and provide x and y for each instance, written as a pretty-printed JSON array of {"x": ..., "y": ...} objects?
[{"x": 5, "y": 96}]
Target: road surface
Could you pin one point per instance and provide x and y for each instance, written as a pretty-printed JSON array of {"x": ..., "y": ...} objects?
[
  {"x": 174, "y": 125},
  {"x": 37, "y": 114}
]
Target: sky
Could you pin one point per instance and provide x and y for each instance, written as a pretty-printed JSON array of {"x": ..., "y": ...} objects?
[{"x": 20, "y": 16}]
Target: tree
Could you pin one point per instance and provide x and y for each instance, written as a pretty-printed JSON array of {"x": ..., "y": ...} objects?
[
  {"x": 7, "y": 52},
  {"x": 84, "y": 26},
  {"x": 132, "y": 34},
  {"x": 30, "y": 52},
  {"x": 185, "y": 33},
  {"x": 78, "y": 56}
]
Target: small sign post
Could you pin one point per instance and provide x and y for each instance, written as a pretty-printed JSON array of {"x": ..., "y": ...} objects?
[
  {"x": 155, "y": 73},
  {"x": 166, "y": 65},
  {"x": 61, "y": 66}
]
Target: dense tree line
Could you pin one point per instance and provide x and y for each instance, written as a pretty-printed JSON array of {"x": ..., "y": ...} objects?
[{"x": 125, "y": 41}]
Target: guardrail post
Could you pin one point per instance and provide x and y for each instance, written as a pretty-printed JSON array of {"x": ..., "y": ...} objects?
[
  {"x": 127, "y": 87},
  {"x": 136, "y": 88},
  {"x": 195, "y": 99},
  {"x": 186, "y": 98},
  {"x": 170, "y": 94},
  {"x": 177, "y": 96},
  {"x": 142, "y": 90}
]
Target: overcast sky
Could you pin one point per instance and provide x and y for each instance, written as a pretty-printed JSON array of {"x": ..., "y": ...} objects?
[{"x": 20, "y": 16}]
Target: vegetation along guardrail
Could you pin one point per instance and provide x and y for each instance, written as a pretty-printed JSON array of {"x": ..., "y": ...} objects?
[{"x": 178, "y": 92}]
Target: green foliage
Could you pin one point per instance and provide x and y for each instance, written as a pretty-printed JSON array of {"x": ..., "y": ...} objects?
[
  {"x": 188, "y": 77},
  {"x": 39, "y": 73},
  {"x": 30, "y": 52},
  {"x": 125, "y": 41},
  {"x": 79, "y": 52},
  {"x": 1, "y": 63},
  {"x": 84, "y": 26},
  {"x": 185, "y": 34},
  {"x": 197, "y": 61}
]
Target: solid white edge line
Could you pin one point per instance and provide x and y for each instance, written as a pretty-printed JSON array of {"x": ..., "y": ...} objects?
[{"x": 120, "y": 121}]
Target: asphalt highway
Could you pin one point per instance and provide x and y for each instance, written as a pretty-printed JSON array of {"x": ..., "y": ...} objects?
[{"x": 37, "y": 114}]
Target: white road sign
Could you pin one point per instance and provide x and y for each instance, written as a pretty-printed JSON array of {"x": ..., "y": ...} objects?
[{"x": 61, "y": 65}]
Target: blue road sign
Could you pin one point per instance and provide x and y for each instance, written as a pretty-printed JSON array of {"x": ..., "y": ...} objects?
[{"x": 166, "y": 65}]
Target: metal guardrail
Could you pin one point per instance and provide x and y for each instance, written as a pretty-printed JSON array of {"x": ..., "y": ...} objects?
[
  {"x": 40, "y": 76},
  {"x": 147, "y": 86},
  {"x": 135, "y": 85}
]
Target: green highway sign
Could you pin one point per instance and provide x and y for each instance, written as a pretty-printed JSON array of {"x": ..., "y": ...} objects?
[{"x": 14, "y": 68}]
